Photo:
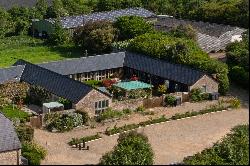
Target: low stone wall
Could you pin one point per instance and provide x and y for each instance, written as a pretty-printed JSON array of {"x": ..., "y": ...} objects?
[
  {"x": 127, "y": 104},
  {"x": 9, "y": 158}
]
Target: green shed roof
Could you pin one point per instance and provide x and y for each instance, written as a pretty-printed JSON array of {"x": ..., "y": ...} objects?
[{"x": 133, "y": 85}]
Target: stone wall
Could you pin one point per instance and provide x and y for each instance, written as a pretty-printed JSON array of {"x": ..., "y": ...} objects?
[
  {"x": 212, "y": 85},
  {"x": 127, "y": 104},
  {"x": 9, "y": 158},
  {"x": 88, "y": 102}
]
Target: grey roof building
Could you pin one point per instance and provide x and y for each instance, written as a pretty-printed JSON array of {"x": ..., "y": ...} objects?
[
  {"x": 76, "y": 21},
  {"x": 11, "y": 74},
  {"x": 8, "y": 137},
  {"x": 210, "y": 36},
  {"x": 157, "y": 67}
]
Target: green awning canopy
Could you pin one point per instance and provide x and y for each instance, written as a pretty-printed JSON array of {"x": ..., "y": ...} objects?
[{"x": 133, "y": 85}]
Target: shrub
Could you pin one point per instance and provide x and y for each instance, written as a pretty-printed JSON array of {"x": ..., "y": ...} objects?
[
  {"x": 162, "y": 89},
  {"x": 170, "y": 100},
  {"x": 109, "y": 114},
  {"x": 62, "y": 122},
  {"x": 235, "y": 103},
  {"x": 127, "y": 111},
  {"x": 25, "y": 133},
  {"x": 33, "y": 152},
  {"x": 196, "y": 95},
  {"x": 75, "y": 141},
  {"x": 108, "y": 82},
  {"x": 153, "y": 121},
  {"x": 140, "y": 109},
  {"x": 85, "y": 116},
  {"x": 132, "y": 149}
]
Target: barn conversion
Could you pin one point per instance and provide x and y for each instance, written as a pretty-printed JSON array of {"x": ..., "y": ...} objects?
[{"x": 66, "y": 78}]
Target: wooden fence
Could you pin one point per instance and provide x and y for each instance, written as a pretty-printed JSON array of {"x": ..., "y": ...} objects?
[
  {"x": 36, "y": 121},
  {"x": 153, "y": 102}
]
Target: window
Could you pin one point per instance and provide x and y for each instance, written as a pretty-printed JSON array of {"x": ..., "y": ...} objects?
[
  {"x": 204, "y": 89},
  {"x": 101, "y": 106}
]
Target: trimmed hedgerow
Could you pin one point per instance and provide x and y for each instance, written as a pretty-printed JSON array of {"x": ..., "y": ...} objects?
[{"x": 75, "y": 141}]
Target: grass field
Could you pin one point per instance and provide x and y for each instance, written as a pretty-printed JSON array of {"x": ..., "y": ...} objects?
[{"x": 32, "y": 50}]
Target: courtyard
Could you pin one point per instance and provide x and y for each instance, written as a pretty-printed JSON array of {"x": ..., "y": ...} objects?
[{"x": 181, "y": 137}]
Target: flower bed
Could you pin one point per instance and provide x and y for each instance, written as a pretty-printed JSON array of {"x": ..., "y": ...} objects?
[{"x": 75, "y": 141}]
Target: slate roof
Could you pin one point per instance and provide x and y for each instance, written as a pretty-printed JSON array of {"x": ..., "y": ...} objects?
[
  {"x": 76, "y": 21},
  {"x": 53, "y": 82},
  {"x": 7, "y": 4},
  {"x": 164, "y": 69},
  {"x": 86, "y": 64},
  {"x": 11, "y": 74},
  {"x": 211, "y": 36},
  {"x": 175, "y": 72},
  {"x": 8, "y": 137}
]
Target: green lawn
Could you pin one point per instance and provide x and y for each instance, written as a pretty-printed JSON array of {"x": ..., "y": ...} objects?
[
  {"x": 33, "y": 50},
  {"x": 13, "y": 112}
]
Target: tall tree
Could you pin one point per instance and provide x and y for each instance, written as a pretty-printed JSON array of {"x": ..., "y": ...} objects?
[
  {"x": 56, "y": 10},
  {"x": 96, "y": 37},
  {"x": 41, "y": 7}
]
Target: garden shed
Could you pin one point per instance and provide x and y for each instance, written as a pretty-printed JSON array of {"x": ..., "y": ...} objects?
[{"x": 52, "y": 107}]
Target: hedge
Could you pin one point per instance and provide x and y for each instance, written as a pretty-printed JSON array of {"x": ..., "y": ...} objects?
[{"x": 75, "y": 141}]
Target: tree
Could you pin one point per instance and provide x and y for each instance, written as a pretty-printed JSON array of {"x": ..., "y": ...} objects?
[
  {"x": 56, "y": 10},
  {"x": 184, "y": 31},
  {"x": 5, "y": 24},
  {"x": 59, "y": 36},
  {"x": 132, "y": 149},
  {"x": 132, "y": 26},
  {"x": 96, "y": 37},
  {"x": 41, "y": 8}
]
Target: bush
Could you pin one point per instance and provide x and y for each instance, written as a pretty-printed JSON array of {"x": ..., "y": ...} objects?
[
  {"x": 170, "y": 100},
  {"x": 233, "y": 149},
  {"x": 25, "y": 133},
  {"x": 33, "y": 152},
  {"x": 162, "y": 89},
  {"x": 195, "y": 95},
  {"x": 85, "y": 116},
  {"x": 132, "y": 149},
  {"x": 205, "y": 96},
  {"x": 63, "y": 122},
  {"x": 75, "y": 141},
  {"x": 140, "y": 109},
  {"x": 127, "y": 111},
  {"x": 235, "y": 103},
  {"x": 109, "y": 114}
]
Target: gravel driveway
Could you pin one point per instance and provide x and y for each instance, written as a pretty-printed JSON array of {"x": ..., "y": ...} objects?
[{"x": 170, "y": 141}]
